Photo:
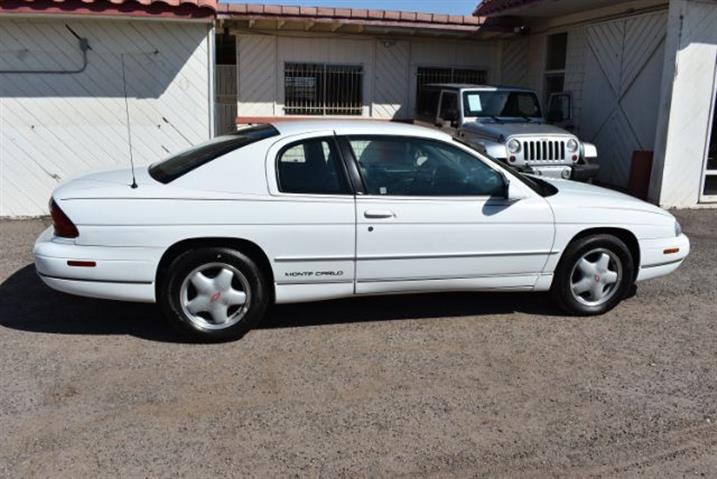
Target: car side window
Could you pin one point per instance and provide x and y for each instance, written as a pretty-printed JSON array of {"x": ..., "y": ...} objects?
[
  {"x": 406, "y": 166},
  {"x": 311, "y": 166}
]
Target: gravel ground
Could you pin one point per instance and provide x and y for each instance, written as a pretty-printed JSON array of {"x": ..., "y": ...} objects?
[{"x": 435, "y": 385}]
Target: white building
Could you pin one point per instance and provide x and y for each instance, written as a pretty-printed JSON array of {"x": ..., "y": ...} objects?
[
  {"x": 62, "y": 94},
  {"x": 366, "y": 62},
  {"x": 642, "y": 74}
]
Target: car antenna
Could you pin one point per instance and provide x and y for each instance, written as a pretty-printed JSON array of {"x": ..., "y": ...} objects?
[{"x": 129, "y": 128}]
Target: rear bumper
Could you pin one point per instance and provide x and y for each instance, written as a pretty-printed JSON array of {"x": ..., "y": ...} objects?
[
  {"x": 655, "y": 262},
  {"x": 125, "y": 274}
]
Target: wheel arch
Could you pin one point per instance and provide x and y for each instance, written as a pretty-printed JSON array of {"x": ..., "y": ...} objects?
[
  {"x": 626, "y": 236},
  {"x": 249, "y": 248}
]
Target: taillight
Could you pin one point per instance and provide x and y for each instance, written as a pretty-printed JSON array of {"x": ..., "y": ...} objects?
[{"x": 64, "y": 227}]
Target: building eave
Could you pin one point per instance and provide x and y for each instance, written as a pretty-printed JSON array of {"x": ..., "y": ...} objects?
[{"x": 174, "y": 9}]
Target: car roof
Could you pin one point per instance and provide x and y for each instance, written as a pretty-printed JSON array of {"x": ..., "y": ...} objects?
[
  {"x": 356, "y": 127},
  {"x": 472, "y": 86}
]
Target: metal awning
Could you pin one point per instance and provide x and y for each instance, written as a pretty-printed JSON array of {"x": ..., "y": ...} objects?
[{"x": 347, "y": 20}]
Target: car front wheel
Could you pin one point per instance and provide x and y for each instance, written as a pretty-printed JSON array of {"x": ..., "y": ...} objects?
[
  {"x": 594, "y": 275},
  {"x": 214, "y": 294}
]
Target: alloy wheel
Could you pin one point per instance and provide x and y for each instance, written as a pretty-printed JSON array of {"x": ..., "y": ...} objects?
[
  {"x": 215, "y": 296},
  {"x": 596, "y": 277}
]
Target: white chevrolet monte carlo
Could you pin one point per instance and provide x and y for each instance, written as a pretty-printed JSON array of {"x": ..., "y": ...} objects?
[{"x": 313, "y": 210}]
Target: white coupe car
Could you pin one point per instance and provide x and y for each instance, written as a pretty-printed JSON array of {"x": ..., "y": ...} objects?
[{"x": 313, "y": 210}]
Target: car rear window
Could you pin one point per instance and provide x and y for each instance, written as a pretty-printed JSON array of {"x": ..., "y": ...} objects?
[{"x": 182, "y": 163}]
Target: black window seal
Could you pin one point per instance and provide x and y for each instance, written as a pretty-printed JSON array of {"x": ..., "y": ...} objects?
[
  {"x": 351, "y": 165},
  {"x": 330, "y": 139}
]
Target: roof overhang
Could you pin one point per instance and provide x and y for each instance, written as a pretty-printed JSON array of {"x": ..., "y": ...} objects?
[
  {"x": 347, "y": 20},
  {"x": 175, "y": 9},
  {"x": 540, "y": 8}
]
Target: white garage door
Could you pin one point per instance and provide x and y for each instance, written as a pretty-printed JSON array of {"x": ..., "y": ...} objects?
[{"x": 621, "y": 91}]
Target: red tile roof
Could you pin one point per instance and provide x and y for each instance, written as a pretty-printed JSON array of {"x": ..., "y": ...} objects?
[
  {"x": 146, "y": 8},
  {"x": 490, "y": 7},
  {"x": 418, "y": 19}
]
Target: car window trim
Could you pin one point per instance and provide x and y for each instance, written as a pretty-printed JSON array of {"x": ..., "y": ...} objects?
[
  {"x": 342, "y": 170},
  {"x": 368, "y": 195},
  {"x": 351, "y": 165}
]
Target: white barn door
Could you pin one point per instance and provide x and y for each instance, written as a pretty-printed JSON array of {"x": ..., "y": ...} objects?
[{"x": 621, "y": 90}]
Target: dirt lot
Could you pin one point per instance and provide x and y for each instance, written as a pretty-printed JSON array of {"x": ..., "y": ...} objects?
[{"x": 465, "y": 385}]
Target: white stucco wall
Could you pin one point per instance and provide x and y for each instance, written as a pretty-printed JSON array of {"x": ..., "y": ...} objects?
[
  {"x": 55, "y": 126},
  {"x": 389, "y": 67},
  {"x": 691, "y": 62}
]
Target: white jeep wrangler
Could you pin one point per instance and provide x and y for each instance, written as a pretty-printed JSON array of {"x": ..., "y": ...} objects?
[{"x": 507, "y": 124}]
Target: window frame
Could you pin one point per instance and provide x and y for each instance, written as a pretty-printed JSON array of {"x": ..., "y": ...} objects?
[
  {"x": 707, "y": 172},
  {"x": 322, "y": 107},
  {"x": 363, "y": 190},
  {"x": 549, "y": 72},
  {"x": 343, "y": 170},
  {"x": 441, "y": 100}
]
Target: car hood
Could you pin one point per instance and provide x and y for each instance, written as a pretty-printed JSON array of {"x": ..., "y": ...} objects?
[
  {"x": 496, "y": 130},
  {"x": 573, "y": 195}
]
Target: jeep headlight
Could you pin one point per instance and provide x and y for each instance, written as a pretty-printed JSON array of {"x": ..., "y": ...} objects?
[
  {"x": 572, "y": 145},
  {"x": 513, "y": 147},
  {"x": 678, "y": 228}
]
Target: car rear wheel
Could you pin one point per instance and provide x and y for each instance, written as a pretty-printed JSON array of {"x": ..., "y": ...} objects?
[
  {"x": 214, "y": 294},
  {"x": 593, "y": 276}
]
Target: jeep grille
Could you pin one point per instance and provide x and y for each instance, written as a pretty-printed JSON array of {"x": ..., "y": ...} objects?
[{"x": 544, "y": 150}]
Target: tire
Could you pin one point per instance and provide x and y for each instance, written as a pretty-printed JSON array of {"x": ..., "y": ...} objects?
[
  {"x": 214, "y": 294},
  {"x": 595, "y": 273}
]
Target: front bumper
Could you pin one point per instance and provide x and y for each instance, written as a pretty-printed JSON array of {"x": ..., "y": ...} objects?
[
  {"x": 576, "y": 172},
  {"x": 125, "y": 274},
  {"x": 585, "y": 172},
  {"x": 658, "y": 256}
]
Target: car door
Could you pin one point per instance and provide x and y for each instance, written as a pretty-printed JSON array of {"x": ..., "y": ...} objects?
[
  {"x": 433, "y": 216},
  {"x": 312, "y": 239}
]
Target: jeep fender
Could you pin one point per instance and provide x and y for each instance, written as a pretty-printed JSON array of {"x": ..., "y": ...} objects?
[{"x": 589, "y": 152}]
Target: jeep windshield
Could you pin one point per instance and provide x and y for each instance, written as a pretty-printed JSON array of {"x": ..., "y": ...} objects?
[{"x": 502, "y": 104}]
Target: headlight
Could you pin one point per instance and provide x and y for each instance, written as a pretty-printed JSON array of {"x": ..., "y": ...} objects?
[
  {"x": 678, "y": 228},
  {"x": 513, "y": 146},
  {"x": 572, "y": 145}
]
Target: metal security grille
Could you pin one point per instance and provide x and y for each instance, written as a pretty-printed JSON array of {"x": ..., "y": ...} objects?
[
  {"x": 427, "y": 75},
  {"x": 544, "y": 150},
  {"x": 321, "y": 89}
]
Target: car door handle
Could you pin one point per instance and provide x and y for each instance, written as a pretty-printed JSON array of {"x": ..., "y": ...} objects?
[{"x": 378, "y": 214}]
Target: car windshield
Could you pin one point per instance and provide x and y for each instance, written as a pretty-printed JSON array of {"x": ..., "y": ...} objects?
[
  {"x": 182, "y": 163},
  {"x": 510, "y": 104}
]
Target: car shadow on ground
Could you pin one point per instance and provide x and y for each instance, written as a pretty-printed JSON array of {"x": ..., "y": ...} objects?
[{"x": 26, "y": 304}]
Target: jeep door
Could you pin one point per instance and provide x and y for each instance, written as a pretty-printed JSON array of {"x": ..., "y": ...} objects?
[{"x": 433, "y": 216}]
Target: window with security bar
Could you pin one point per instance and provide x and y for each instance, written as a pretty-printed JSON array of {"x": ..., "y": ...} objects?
[
  {"x": 429, "y": 75},
  {"x": 322, "y": 89}
]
